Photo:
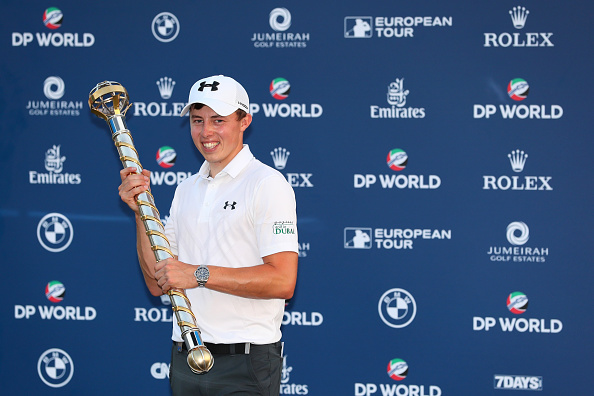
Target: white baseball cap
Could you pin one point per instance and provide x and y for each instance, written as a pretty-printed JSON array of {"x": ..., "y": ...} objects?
[{"x": 222, "y": 94}]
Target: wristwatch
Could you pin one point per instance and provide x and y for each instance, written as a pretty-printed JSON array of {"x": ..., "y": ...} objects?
[{"x": 202, "y": 274}]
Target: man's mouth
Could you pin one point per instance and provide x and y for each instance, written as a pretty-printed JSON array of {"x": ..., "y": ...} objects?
[{"x": 209, "y": 145}]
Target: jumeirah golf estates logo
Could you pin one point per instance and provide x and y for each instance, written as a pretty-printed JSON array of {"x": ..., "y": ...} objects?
[
  {"x": 55, "y": 291},
  {"x": 517, "y": 233},
  {"x": 280, "y": 21},
  {"x": 517, "y": 302},
  {"x": 52, "y": 18},
  {"x": 54, "y": 89}
]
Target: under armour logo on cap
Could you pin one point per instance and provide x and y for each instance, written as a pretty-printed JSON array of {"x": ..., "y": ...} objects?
[
  {"x": 231, "y": 205},
  {"x": 213, "y": 86}
]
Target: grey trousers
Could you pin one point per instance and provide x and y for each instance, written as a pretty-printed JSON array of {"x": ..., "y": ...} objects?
[{"x": 258, "y": 373}]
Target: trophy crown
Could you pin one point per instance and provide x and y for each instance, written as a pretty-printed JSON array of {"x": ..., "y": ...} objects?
[{"x": 108, "y": 99}]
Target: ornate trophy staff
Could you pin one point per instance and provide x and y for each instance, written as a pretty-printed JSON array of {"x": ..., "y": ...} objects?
[{"x": 109, "y": 100}]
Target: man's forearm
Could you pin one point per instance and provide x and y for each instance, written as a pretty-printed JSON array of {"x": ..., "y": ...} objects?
[{"x": 275, "y": 278}]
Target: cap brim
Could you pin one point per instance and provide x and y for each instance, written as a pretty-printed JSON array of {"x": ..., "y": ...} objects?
[{"x": 221, "y": 108}]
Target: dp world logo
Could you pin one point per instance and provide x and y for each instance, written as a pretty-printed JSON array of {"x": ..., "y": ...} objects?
[
  {"x": 397, "y": 159},
  {"x": 55, "y": 232},
  {"x": 397, "y": 369},
  {"x": 518, "y": 89},
  {"x": 55, "y": 368},
  {"x": 397, "y": 308},
  {"x": 54, "y": 291},
  {"x": 517, "y": 303},
  {"x": 280, "y": 88},
  {"x": 52, "y": 18},
  {"x": 165, "y": 27},
  {"x": 166, "y": 157}
]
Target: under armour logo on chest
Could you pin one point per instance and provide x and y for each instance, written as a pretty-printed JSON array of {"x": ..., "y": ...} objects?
[
  {"x": 230, "y": 205},
  {"x": 213, "y": 86}
]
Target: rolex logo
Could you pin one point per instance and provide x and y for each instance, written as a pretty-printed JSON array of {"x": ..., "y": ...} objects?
[
  {"x": 518, "y": 160},
  {"x": 280, "y": 156},
  {"x": 165, "y": 85},
  {"x": 519, "y": 16}
]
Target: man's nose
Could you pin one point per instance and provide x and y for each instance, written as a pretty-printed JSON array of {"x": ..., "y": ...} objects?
[{"x": 207, "y": 130}]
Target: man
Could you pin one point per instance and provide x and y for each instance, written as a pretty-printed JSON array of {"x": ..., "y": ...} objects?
[{"x": 232, "y": 229}]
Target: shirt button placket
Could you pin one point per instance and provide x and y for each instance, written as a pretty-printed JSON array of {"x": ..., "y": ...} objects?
[{"x": 208, "y": 199}]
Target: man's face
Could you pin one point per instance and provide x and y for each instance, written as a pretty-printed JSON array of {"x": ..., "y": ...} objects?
[{"x": 218, "y": 138}]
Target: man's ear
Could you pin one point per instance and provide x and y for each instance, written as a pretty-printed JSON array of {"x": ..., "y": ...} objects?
[{"x": 246, "y": 121}]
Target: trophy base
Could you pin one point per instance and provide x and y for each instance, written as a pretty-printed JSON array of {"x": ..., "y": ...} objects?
[{"x": 200, "y": 360}]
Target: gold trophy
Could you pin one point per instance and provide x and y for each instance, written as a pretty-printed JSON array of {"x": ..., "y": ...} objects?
[{"x": 109, "y": 100}]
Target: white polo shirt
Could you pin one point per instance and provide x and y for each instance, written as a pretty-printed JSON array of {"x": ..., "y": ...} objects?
[{"x": 247, "y": 211}]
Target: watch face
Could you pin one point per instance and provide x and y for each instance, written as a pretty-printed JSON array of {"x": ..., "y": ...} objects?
[{"x": 202, "y": 274}]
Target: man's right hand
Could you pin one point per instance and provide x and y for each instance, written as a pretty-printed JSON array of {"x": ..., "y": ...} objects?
[{"x": 133, "y": 184}]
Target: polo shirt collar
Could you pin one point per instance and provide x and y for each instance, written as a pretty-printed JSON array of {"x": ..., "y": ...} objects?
[{"x": 233, "y": 168}]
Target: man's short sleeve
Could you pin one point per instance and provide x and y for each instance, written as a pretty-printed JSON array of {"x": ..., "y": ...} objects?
[{"x": 275, "y": 216}]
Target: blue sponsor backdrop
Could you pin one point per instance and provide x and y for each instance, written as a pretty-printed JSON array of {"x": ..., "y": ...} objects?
[{"x": 409, "y": 276}]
